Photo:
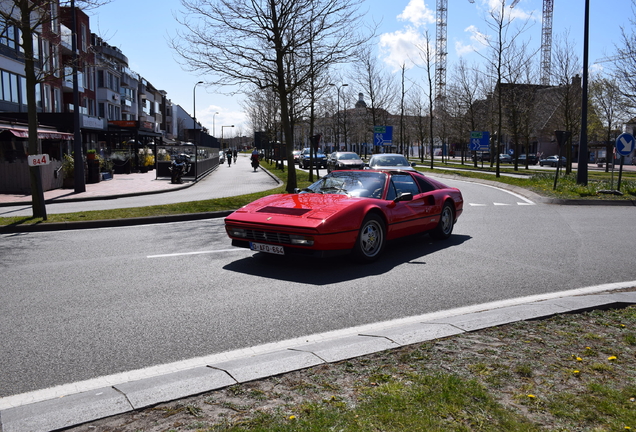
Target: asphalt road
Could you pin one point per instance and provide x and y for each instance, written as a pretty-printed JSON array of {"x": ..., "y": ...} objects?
[{"x": 83, "y": 304}]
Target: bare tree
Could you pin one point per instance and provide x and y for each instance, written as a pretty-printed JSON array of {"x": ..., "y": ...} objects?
[
  {"x": 464, "y": 93},
  {"x": 610, "y": 105},
  {"x": 428, "y": 57},
  {"x": 625, "y": 67},
  {"x": 567, "y": 98},
  {"x": 378, "y": 85},
  {"x": 501, "y": 47},
  {"x": 239, "y": 42}
]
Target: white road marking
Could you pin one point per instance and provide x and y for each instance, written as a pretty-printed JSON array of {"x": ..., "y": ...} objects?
[{"x": 196, "y": 253}]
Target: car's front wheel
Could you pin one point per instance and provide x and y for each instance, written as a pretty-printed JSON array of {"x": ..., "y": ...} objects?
[
  {"x": 444, "y": 227},
  {"x": 371, "y": 239}
]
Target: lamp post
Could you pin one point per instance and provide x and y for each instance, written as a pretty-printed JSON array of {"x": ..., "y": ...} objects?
[
  {"x": 230, "y": 126},
  {"x": 581, "y": 172},
  {"x": 338, "y": 113},
  {"x": 214, "y": 124},
  {"x": 194, "y": 111}
]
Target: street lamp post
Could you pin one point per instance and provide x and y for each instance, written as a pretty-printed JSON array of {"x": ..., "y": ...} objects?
[
  {"x": 214, "y": 124},
  {"x": 194, "y": 111},
  {"x": 222, "y": 127},
  {"x": 338, "y": 113}
]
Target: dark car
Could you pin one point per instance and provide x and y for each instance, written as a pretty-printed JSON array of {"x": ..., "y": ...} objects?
[
  {"x": 505, "y": 158},
  {"x": 481, "y": 157},
  {"x": 532, "y": 159},
  {"x": 553, "y": 161},
  {"x": 344, "y": 161},
  {"x": 319, "y": 160}
]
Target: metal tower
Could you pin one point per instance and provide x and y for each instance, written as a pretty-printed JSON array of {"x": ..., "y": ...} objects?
[
  {"x": 440, "y": 51},
  {"x": 546, "y": 42}
]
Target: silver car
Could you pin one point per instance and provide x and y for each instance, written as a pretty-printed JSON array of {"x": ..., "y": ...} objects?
[{"x": 390, "y": 161}]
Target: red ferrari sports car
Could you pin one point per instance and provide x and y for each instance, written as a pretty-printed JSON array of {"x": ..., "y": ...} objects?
[{"x": 347, "y": 212}]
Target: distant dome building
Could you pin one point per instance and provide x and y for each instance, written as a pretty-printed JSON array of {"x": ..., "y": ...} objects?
[{"x": 361, "y": 103}]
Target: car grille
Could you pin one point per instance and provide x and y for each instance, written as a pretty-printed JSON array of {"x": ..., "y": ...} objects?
[{"x": 273, "y": 237}]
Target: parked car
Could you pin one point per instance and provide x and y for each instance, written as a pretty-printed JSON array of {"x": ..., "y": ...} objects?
[
  {"x": 505, "y": 158},
  {"x": 343, "y": 161},
  {"x": 553, "y": 161},
  {"x": 352, "y": 211},
  {"x": 532, "y": 159},
  {"x": 320, "y": 159},
  {"x": 481, "y": 157},
  {"x": 390, "y": 161},
  {"x": 296, "y": 154}
]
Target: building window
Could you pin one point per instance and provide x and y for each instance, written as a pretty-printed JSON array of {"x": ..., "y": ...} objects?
[
  {"x": 55, "y": 23},
  {"x": 84, "y": 37},
  {"x": 46, "y": 56},
  {"x": 56, "y": 60},
  {"x": 46, "y": 97},
  {"x": 57, "y": 96},
  {"x": 10, "y": 87}
]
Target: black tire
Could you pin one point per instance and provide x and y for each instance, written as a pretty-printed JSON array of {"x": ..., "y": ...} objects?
[
  {"x": 444, "y": 227},
  {"x": 371, "y": 239}
]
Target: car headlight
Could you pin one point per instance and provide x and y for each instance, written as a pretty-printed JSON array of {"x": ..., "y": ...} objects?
[
  {"x": 237, "y": 232},
  {"x": 300, "y": 240}
]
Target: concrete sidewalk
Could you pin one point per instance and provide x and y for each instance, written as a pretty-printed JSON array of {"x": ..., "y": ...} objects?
[
  {"x": 139, "y": 190},
  {"x": 136, "y": 184}
]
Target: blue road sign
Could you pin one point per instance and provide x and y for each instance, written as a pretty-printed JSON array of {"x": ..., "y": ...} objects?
[
  {"x": 479, "y": 141},
  {"x": 625, "y": 144},
  {"x": 383, "y": 135}
]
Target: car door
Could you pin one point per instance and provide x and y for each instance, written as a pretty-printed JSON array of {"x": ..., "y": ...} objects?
[{"x": 409, "y": 217}]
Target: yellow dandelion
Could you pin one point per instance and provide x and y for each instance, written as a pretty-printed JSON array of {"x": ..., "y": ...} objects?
[
  {"x": 292, "y": 417},
  {"x": 623, "y": 325},
  {"x": 579, "y": 359},
  {"x": 531, "y": 396},
  {"x": 611, "y": 358},
  {"x": 588, "y": 348},
  {"x": 627, "y": 427},
  {"x": 576, "y": 372}
]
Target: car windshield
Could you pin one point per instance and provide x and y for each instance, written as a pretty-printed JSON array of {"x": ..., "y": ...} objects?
[
  {"x": 352, "y": 183},
  {"x": 348, "y": 156},
  {"x": 389, "y": 161}
]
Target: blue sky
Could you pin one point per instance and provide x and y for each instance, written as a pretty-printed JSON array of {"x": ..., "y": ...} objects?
[{"x": 141, "y": 29}]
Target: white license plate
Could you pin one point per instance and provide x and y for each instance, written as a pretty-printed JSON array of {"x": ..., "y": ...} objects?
[{"x": 267, "y": 248}]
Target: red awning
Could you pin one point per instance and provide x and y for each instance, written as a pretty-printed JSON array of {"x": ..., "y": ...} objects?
[{"x": 42, "y": 134}]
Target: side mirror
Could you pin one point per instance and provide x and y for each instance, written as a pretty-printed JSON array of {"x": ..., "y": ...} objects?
[
  {"x": 413, "y": 164},
  {"x": 405, "y": 196},
  {"x": 296, "y": 190}
]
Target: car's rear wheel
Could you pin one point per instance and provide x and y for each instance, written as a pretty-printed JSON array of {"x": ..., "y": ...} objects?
[
  {"x": 371, "y": 239},
  {"x": 444, "y": 227}
]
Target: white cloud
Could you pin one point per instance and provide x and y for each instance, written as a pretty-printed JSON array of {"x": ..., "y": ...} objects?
[
  {"x": 402, "y": 47},
  {"x": 417, "y": 13},
  {"x": 478, "y": 41}
]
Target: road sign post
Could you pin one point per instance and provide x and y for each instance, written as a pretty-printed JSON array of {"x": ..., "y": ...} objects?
[
  {"x": 625, "y": 144},
  {"x": 383, "y": 136}
]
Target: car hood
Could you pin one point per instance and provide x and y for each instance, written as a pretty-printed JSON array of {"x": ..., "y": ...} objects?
[{"x": 308, "y": 210}]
